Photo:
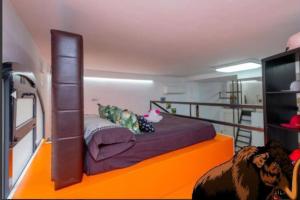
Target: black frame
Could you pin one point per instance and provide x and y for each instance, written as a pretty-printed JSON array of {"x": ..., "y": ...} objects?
[
  {"x": 7, "y": 127},
  {"x": 2, "y": 193},
  {"x": 1, "y": 143}
]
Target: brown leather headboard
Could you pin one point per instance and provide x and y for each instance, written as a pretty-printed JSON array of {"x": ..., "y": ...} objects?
[{"x": 67, "y": 108}]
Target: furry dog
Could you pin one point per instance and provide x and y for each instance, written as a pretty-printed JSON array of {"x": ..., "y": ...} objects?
[{"x": 253, "y": 173}]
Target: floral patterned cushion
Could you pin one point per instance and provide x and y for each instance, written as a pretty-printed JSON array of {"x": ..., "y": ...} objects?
[
  {"x": 129, "y": 120},
  {"x": 112, "y": 113},
  {"x": 103, "y": 111},
  {"x": 116, "y": 115}
]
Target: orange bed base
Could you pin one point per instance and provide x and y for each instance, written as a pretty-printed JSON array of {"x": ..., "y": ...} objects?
[{"x": 171, "y": 175}]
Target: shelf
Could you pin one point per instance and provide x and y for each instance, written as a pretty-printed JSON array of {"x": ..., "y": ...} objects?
[
  {"x": 284, "y": 92},
  {"x": 284, "y": 128},
  {"x": 280, "y": 102}
]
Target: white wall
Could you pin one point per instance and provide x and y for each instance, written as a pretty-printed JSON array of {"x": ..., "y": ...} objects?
[
  {"x": 133, "y": 96},
  {"x": 39, "y": 122},
  {"x": 253, "y": 91},
  {"x": 257, "y": 121},
  {"x": 24, "y": 110},
  {"x": 19, "y": 47},
  {"x": 209, "y": 92},
  {"x": 21, "y": 155}
]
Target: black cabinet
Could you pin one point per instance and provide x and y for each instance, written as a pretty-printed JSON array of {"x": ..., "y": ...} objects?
[{"x": 280, "y": 104}]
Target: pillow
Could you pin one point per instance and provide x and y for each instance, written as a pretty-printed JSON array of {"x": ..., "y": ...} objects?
[
  {"x": 112, "y": 113},
  {"x": 103, "y": 111},
  {"x": 94, "y": 124},
  {"x": 145, "y": 126},
  {"x": 121, "y": 117},
  {"x": 129, "y": 120}
]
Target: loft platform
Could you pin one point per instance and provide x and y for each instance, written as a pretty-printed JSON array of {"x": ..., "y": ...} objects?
[{"x": 171, "y": 175}]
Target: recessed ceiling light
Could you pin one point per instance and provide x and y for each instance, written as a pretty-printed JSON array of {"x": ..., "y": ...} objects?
[
  {"x": 120, "y": 80},
  {"x": 239, "y": 67}
]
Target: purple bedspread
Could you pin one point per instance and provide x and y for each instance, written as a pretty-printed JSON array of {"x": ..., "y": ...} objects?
[
  {"x": 170, "y": 134},
  {"x": 110, "y": 142}
]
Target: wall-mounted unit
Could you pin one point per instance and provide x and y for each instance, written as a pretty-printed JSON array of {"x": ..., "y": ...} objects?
[{"x": 174, "y": 89}]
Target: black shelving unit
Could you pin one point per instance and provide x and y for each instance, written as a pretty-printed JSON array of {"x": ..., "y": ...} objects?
[
  {"x": 280, "y": 104},
  {"x": 283, "y": 92}
]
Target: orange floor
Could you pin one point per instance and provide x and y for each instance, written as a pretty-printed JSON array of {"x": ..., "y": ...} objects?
[{"x": 171, "y": 175}]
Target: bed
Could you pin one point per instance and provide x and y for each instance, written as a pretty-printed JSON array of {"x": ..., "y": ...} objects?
[{"x": 171, "y": 133}]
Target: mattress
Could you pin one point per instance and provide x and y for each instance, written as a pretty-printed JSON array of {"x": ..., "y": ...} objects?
[{"x": 171, "y": 133}]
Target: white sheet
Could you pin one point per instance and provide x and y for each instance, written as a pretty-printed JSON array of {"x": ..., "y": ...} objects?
[{"x": 93, "y": 123}]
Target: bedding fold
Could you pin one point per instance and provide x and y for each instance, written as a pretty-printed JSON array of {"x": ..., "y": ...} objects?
[
  {"x": 107, "y": 143},
  {"x": 105, "y": 139}
]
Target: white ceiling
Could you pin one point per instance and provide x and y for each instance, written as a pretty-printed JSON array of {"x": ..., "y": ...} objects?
[{"x": 165, "y": 37}]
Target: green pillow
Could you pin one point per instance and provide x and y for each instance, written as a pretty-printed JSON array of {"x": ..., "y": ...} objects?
[
  {"x": 115, "y": 114},
  {"x": 112, "y": 113},
  {"x": 104, "y": 111},
  {"x": 124, "y": 118},
  {"x": 129, "y": 120}
]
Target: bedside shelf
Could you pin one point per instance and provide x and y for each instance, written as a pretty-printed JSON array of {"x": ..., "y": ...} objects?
[
  {"x": 284, "y": 92},
  {"x": 284, "y": 128}
]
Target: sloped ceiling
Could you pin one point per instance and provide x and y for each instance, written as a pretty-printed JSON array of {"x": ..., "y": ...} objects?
[{"x": 165, "y": 37}]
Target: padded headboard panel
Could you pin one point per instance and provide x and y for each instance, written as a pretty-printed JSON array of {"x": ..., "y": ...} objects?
[{"x": 67, "y": 108}]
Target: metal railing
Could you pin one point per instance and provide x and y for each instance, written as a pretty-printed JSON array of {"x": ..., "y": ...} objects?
[{"x": 197, "y": 104}]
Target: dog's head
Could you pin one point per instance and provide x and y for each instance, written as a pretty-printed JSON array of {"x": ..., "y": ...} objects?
[{"x": 273, "y": 163}]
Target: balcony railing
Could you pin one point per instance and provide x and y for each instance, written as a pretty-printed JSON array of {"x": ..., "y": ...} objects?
[{"x": 159, "y": 104}]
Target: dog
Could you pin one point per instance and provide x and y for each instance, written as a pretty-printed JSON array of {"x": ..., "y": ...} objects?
[{"x": 253, "y": 173}]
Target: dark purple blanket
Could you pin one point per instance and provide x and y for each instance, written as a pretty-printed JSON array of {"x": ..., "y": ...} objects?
[
  {"x": 110, "y": 142},
  {"x": 170, "y": 134}
]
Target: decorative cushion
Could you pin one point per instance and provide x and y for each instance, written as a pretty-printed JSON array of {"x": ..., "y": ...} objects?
[
  {"x": 129, "y": 120},
  {"x": 124, "y": 118},
  {"x": 103, "y": 111},
  {"x": 145, "y": 126},
  {"x": 112, "y": 113}
]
